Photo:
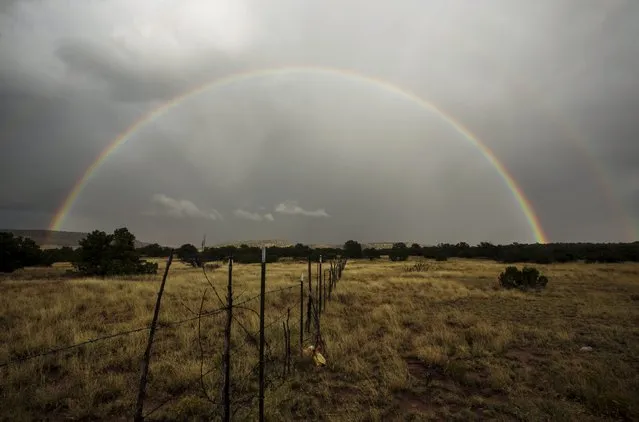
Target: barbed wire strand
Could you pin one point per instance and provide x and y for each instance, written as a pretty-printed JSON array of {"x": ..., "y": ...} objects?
[
  {"x": 247, "y": 401},
  {"x": 193, "y": 384}
]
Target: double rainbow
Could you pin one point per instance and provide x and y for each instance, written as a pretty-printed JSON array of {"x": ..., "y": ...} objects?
[{"x": 525, "y": 205}]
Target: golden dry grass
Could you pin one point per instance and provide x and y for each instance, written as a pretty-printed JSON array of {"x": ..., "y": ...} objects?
[{"x": 444, "y": 344}]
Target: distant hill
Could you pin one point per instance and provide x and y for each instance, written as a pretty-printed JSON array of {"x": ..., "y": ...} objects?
[
  {"x": 51, "y": 239},
  {"x": 285, "y": 243},
  {"x": 384, "y": 245},
  {"x": 324, "y": 245},
  {"x": 257, "y": 243}
]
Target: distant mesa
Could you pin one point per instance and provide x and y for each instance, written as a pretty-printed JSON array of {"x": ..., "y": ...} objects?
[
  {"x": 257, "y": 243},
  {"x": 379, "y": 245},
  {"x": 286, "y": 243},
  {"x": 52, "y": 239}
]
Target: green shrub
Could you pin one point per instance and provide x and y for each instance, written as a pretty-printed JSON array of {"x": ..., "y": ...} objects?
[
  {"x": 399, "y": 252},
  {"x": 526, "y": 279},
  {"x": 371, "y": 253}
]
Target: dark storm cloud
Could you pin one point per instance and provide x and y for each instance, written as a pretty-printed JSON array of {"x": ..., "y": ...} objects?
[
  {"x": 71, "y": 80},
  {"x": 125, "y": 84},
  {"x": 7, "y": 5},
  {"x": 127, "y": 81}
]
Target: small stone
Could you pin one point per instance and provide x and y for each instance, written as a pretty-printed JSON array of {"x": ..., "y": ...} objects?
[{"x": 586, "y": 349}]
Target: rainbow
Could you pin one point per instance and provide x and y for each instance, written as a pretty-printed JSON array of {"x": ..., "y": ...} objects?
[
  {"x": 527, "y": 209},
  {"x": 575, "y": 137},
  {"x": 601, "y": 177},
  {"x": 630, "y": 227}
]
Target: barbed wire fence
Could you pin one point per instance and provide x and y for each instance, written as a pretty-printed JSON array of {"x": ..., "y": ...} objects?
[{"x": 224, "y": 405}]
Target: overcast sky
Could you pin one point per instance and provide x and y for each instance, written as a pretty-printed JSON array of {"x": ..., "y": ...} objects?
[{"x": 552, "y": 87}]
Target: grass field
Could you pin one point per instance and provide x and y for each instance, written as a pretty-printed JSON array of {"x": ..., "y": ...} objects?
[{"x": 443, "y": 344}]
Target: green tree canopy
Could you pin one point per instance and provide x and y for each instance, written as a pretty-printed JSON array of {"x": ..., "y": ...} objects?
[
  {"x": 18, "y": 252},
  {"x": 352, "y": 249},
  {"x": 105, "y": 254}
]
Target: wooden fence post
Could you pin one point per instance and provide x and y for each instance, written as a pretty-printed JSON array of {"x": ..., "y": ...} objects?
[
  {"x": 226, "y": 358},
  {"x": 301, "y": 314},
  {"x": 139, "y": 417},
  {"x": 310, "y": 297},
  {"x": 319, "y": 283},
  {"x": 288, "y": 341},
  {"x": 330, "y": 284},
  {"x": 324, "y": 287},
  {"x": 262, "y": 295}
]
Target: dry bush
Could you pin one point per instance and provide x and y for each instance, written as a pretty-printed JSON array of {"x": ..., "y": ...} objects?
[{"x": 418, "y": 267}]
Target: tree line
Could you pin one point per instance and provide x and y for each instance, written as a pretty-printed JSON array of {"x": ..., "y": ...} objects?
[
  {"x": 511, "y": 253},
  {"x": 99, "y": 254},
  {"x": 105, "y": 254}
]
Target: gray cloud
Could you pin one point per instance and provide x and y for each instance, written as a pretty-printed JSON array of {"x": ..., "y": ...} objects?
[
  {"x": 291, "y": 208},
  {"x": 127, "y": 81},
  {"x": 557, "y": 93},
  {"x": 253, "y": 216},
  {"x": 6, "y": 5},
  {"x": 182, "y": 208}
]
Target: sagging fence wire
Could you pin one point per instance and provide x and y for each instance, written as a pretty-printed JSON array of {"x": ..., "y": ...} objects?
[
  {"x": 321, "y": 292},
  {"x": 315, "y": 308},
  {"x": 270, "y": 382},
  {"x": 317, "y": 303},
  {"x": 190, "y": 386}
]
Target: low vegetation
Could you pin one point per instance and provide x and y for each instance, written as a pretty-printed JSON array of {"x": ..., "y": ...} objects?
[
  {"x": 99, "y": 254},
  {"x": 18, "y": 252},
  {"x": 513, "y": 253},
  {"x": 443, "y": 344},
  {"x": 526, "y": 279},
  {"x": 417, "y": 267}
]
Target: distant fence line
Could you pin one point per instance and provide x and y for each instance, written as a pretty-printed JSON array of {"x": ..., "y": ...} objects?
[{"x": 317, "y": 295}]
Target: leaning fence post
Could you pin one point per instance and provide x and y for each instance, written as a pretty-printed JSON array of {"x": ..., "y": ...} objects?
[
  {"x": 226, "y": 358},
  {"x": 139, "y": 417},
  {"x": 288, "y": 342},
  {"x": 262, "y": 294},
  {"x": 285, "y": 349},
  {"x": 288, "y": 329}
]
